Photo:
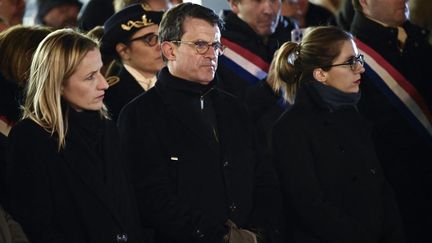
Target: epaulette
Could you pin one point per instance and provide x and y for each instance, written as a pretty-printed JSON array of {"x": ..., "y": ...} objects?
[{"x": 112, "y": 80}]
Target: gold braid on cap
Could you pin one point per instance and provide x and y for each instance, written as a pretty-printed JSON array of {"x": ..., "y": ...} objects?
[{"x": 137, "y": 24}]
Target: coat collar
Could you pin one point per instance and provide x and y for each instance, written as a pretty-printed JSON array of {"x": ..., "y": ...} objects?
[
  {"x": 80, "y": 159},
  {"x": 186, "y": 101}
]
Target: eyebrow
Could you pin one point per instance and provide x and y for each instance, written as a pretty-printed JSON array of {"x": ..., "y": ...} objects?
[{"x": 91, "y": 73}]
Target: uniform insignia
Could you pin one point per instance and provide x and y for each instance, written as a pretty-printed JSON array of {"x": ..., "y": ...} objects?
[
  {"x": 137, "y": 24},
  {"x": 112, "y": 80}
]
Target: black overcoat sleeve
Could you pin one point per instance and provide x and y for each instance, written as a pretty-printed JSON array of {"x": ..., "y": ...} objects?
[{"x": 28, "y": 182}]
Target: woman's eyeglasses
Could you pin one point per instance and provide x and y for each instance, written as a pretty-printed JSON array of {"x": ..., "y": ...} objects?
[
  {"x": 150, "y": 39},
  {"x": 202, "y": 47},
  {"x": 353, "y": 62}
]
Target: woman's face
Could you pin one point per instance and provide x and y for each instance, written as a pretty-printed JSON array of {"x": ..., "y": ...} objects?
[
  {"x": 85, "y": 89},
  {"x": 140, "y": 55},
  {"x": 345, "y": 78}
]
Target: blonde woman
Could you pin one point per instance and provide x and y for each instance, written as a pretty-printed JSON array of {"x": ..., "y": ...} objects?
[{"x": 66, "y": 180}]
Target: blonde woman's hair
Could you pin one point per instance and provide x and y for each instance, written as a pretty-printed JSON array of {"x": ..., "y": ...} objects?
[
  {"x": 294, "y": 62},
  {"x": 54, "y": 61}
]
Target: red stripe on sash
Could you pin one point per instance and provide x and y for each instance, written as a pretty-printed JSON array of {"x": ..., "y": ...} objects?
[
  {"x": 398, "y": 77},
  {"x": 257, "y": 60}
]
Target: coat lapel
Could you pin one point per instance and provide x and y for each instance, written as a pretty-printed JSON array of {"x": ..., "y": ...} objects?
[{"x": 79, "y": 159}]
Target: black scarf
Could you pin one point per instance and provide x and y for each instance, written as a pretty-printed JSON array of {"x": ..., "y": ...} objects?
[
  {"x": 334, "y": 98},
  {"x": 89, "y": 127}
]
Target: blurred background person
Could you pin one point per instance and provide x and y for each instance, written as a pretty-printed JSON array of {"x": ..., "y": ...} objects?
[
  {"x": 307, "y": 14},
  {"x": 332, "y": 184},
  {"x": 155, "y": 5},
  {"x": 420, "y": 14},
  {"x": 397, "y": 98},
  {"x": 12, "y": 12},
  {"x": 131, "y": 38},
  {"x": 95, "y": 13},
  {"x": 14, "y": 75},
  {"x": 66, "y": 178},
  {"x": 58, "y": 13}
]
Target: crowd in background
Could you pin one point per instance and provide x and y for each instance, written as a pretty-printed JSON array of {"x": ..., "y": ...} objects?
[{"x": 162, "y": 121}]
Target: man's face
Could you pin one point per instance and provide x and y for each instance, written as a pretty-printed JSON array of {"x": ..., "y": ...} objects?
[
  {"x": 389, "y": 12},
  {"x": 261, "y": 15},
  {"x": 65, "y": 15},
  {"x": 186, "y": 62}
]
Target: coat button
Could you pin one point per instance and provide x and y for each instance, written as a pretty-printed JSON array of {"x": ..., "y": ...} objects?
[
  {"x": 232, "y": 207},
  {"x": 373, "y": 171},
  {"x": 226, "y": 164},
  {"x": 122, "y": 238},
  {"x": 199, "y": 234}
]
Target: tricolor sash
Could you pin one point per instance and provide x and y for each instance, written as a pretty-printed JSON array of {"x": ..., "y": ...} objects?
[
  {"x": 398, "y": 90},
  {"x": 243, "y": 62}
]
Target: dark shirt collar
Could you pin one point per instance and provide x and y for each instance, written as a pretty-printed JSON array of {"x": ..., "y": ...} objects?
[{"x": 166, "y": 79}]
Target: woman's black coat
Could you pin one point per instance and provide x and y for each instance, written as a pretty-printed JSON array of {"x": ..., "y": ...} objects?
[
  {"x": 72, "y": 195},
  {"x": 333, "y": 186}
]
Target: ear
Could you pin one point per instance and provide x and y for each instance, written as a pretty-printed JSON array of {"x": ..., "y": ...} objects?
[
  {"x": 168, "y": 50},
  {"x": 123, "y": 51},
  {"x": 234, "y": 4},
  {"x": 364, "y": 4},
  {"x": 320, "y": 75}
]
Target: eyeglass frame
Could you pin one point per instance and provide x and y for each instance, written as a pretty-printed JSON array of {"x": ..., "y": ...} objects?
[
  {"x": 146, "y": 39},
  {"x": 220, "y": 49},
  {"x": 359, "y": 59}
]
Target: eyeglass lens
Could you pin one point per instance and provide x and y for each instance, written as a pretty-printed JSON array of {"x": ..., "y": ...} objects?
[
  {"x": 202, "y": 47},
  {"x": 150, "y": 39}
]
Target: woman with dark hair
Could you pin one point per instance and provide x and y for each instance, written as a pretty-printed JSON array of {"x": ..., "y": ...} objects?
[
  {"x": 332, "y": 184},
  {"x": 66, "y": 177}
]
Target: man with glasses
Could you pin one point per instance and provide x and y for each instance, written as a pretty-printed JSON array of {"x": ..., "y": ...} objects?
[
  {"x": 131, "y": 38},
  {"x": 397, "y": 98},
  {"x": 190, "y": 145}
]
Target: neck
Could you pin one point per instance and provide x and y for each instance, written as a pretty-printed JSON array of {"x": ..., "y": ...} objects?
[
  {"x": 394, "y": 25},
  {"x": 134, "y": 71},
  {"x": 4, "y": 128}
]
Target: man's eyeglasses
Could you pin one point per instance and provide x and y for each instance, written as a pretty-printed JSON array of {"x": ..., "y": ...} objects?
[
  {"x": 150, "y": 39},
  {"x": 201, "y": 47},
  {"x": 353, "y": 62}
]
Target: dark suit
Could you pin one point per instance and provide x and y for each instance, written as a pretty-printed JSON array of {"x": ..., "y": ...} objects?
[
  {"x": 405, "y": 154},
  {"x": 75, "y": 195},
  {"x": 193, "y": 168},
  {"x": 332, "y": 183}
]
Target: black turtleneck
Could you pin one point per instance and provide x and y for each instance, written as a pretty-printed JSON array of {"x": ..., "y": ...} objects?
[
  {"x": 193, "y": 96},
  {"x": 333, "y": 98},
  {"x": 88, "y": 127}
]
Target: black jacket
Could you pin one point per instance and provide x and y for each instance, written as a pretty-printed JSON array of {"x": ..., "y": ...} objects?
[
  {"x": 239, "y": 32},
  {"x": 123, "y": 89},
  {"x": 193, "y": 162},
  {"x": 80, "y": 194},
  {"x": 262, "y": 103},
  {"x": 403, "y": 152},
  {"x": 333, "y": 187}
]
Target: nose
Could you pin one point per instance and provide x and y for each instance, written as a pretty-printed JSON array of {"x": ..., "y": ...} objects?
[
  {"x": 268, "y": 5},
  {"x": 102, "y": 84},
  {"x": 359, "y": 68},
  {"x": 211, "y": 53}
]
